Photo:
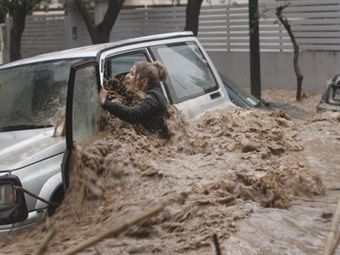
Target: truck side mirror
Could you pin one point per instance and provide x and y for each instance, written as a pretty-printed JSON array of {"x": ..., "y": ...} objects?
[{"x": 13, "y": 206}]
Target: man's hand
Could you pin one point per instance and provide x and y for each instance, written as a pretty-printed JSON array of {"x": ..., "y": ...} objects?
[{"x": 102, "y": 96}]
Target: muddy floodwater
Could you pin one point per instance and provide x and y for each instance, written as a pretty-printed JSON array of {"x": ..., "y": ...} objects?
[
  {"x": 262, "y": 181},
  {"x": 303, "y": 228}
]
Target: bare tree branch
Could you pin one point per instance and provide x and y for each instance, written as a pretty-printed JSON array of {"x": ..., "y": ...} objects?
[
  {"x": 100, "y": 33},
  {"x": 285, "y": 23},
  {"x": 89, "y": 22},
  {"x": 111, "y": 15}
]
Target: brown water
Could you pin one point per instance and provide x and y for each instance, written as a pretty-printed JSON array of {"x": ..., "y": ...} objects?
[
  {"x": 303, "y": 228},
  {"x": 262, "y": 183}
]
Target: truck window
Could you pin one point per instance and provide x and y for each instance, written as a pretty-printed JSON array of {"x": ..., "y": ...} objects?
[
  {"x": 86, "y": 108},
  {"x": 119, "y": 65},
  {"x": 189, "y": 72},
  {"x": 33, "y": 95}
]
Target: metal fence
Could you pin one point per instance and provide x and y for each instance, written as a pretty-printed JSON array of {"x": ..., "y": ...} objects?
[
  {"x": 315, "y": 23},
  {"x": 139, "y": 22},
  {"x": 43, "y": 33}
]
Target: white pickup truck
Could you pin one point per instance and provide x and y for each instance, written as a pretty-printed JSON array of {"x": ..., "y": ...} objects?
[{"x": 44, "y": 96}]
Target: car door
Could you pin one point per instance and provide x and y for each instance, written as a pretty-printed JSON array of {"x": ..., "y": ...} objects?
[
  {"x": 82, "y": 110},
  {"x": 193, "y": 83}
]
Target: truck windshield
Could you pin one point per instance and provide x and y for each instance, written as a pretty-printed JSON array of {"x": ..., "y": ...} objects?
[{"x": 34, "y": 95}]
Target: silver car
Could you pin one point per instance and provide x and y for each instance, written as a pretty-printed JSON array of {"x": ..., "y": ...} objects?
[
  {"x": 330, "y": 100},
  {"x": 45, "y": 97}
]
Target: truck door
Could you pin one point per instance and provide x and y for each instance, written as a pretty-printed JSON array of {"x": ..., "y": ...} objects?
[
  {"x": 193, "y": 83},
  {"x": 82, "y": 109}
]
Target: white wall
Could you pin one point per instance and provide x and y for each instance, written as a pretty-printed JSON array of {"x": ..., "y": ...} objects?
[
  {"x": 170, "y": 2},
  {"x": 277, "y": 69}
]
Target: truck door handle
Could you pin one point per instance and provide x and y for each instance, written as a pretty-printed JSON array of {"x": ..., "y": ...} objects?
[{"x": 215, "y": 95}]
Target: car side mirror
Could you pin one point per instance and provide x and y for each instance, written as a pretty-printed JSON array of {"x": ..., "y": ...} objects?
[{"x": 13, "y": 206}]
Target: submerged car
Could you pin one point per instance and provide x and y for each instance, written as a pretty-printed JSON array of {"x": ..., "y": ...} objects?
[
  {"x": 51, "y": 101},
  {"x": 330, "y": 100}
]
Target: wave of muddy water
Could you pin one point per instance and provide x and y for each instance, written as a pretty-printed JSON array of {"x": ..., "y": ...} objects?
[
  {"x": 303, "y": 228},
  {"x": 227, "y": 173}
]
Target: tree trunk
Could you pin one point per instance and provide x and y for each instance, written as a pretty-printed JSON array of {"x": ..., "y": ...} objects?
[
  {"x": 100, "y": 33},
  {"x": 97, "y": 37},
  {"x": 18, "y": 26},
  {"x": 299, "y": 76},
  {"x": 18, "y": 11},
  {"x": 192, "y": 15},
  {"x": 254, "y": 47}
]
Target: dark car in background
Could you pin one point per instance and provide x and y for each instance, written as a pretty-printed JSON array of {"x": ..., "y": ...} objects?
[
  {"x": 330, "y": 100},
  {"x": 238, "y": 96}
]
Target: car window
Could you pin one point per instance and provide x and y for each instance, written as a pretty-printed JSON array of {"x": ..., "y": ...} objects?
[
  {"x": 86, "y": 107},
  {"x": 189, "y": 73},
  {"x": 337, "y": 94},
  {"x": 33, "y": 95},
  {"x": 117, "y": 66}
]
